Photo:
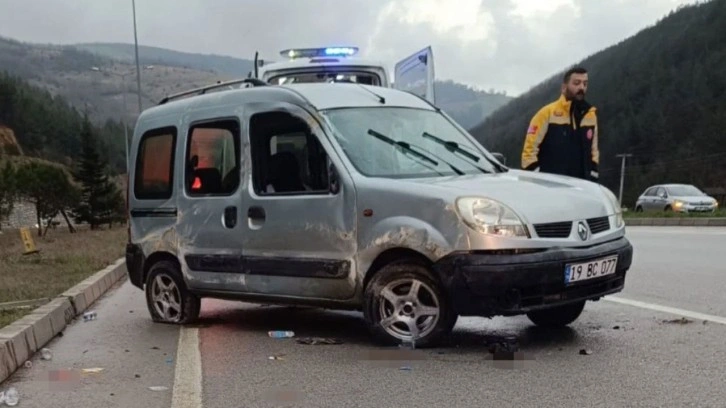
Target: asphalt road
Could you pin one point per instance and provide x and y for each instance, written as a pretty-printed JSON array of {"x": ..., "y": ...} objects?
[{"x": 648, "y": 360}]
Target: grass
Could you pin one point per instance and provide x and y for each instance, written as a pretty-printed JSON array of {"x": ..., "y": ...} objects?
[
  {"x": 670, "y": 214},
  {"x": 64, "y": 260},
  {"x": 9, "y": 316}
]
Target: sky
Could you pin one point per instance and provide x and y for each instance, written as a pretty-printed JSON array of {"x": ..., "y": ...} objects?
[{"x": 505, "y": 45}]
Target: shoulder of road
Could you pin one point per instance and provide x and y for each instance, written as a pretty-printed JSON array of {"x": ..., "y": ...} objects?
[
  {"x": 22, "y": 338},
  {"x": 677, "y": 221}
]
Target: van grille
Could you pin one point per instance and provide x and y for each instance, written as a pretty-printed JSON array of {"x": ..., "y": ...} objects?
[
  {"x": 554, "y": 229},
  {"x": 598, "y": 225}
]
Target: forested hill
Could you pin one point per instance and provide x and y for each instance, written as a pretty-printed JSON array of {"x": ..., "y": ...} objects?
[
  {"x": 35, "y": 123},
  {"x": 660, "y": 95}
]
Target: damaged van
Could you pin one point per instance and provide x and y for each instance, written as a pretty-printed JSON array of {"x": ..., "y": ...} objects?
[{"x": 355, "y": 197}]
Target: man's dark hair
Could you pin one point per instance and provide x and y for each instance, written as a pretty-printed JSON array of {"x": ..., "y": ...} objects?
[{"x": 574, "y": 70}]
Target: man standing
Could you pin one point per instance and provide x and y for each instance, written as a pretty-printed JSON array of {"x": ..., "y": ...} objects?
[{"x": 563, "y": 135}]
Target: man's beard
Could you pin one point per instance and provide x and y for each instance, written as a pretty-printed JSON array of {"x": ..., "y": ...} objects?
[{"x": 579, "y": 96}]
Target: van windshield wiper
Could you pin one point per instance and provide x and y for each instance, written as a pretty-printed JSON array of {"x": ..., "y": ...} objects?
[
  {"x": 407, "y": 147},
  {"x": 451, "y": 146},
  {"x": 455, "y": 147}
]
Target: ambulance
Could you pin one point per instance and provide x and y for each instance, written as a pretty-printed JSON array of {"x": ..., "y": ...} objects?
[{"x": 414, "y": 73}]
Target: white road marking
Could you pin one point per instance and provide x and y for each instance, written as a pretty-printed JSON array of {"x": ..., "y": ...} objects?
[
  {"x": 187, "y": 392},
  {"x": 667, "y": 309}
]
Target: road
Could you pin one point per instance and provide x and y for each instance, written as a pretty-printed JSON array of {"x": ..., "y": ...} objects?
[{"x": 224, "y": 361}]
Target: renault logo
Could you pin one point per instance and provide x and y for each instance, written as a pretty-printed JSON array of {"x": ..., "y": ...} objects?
[{"x": 582, "y": 231}]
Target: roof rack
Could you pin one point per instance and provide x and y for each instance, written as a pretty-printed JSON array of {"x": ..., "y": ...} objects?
[{"x": 204, "y": 89}]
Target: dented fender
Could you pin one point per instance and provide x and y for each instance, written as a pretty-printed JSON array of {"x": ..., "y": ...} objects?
[{"x": 402, "y": 232}]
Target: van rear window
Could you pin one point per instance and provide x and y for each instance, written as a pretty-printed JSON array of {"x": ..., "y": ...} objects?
[{"x": 155, "y": 164}]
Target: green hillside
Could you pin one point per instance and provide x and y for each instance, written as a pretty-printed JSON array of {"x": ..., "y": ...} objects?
[
  {"x": 37, "y": 124},
  {"x": 661, "y": 96}
]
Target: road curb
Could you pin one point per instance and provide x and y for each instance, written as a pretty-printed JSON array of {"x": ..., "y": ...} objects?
[
  {"x": 25, "y": 336},
  {"x": 677, "y": 222}
]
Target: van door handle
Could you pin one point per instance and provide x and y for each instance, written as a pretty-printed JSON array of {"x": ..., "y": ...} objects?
[
  {"x": 256, "y": 213},
  {"x": 230, "y": 216}
]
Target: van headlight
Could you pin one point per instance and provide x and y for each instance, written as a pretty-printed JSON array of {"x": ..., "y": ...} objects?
[
  {"x": 615, "y": 204},
  {"x": 490, "y": 217}
]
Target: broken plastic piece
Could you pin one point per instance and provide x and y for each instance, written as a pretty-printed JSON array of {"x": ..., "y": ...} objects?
[
  {"x": 28, "y": 364},
  {"x": 46, "y": 354},
  {"x": 88, "y": 316},
  {"x": 318, "y": 340},
  {"x": 158, "y": 388},
  {"x": 12, "y": 397},
  {"x": 682, "y": 320},
  {"x": 92, "y": 370},
  {"x": 279, "y": 334}
]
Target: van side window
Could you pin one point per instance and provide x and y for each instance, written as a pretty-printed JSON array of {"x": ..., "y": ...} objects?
[
  {"x": 155, "y": 165},
  {"x": 212, "y": 164},
  {"x": 287, "y": 158}
]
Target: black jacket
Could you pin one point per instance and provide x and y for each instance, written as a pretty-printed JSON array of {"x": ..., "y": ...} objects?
[{"x": 563, "y": 139}]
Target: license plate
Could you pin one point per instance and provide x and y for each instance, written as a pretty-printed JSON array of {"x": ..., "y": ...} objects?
[{"x": 590, "y": 270}]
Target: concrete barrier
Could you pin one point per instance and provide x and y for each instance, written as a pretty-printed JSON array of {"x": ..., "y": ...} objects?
[
  {"x": 24, "y": 337},
  {"x": 677, "y": 221}
]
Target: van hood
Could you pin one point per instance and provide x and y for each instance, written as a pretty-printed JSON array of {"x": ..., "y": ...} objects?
[{"x": 535, "y": 197}]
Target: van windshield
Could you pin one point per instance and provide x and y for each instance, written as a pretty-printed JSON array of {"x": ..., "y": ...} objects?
[{"x": 397, "y": 142}]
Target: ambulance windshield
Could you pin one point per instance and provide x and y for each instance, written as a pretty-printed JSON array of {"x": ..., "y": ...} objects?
[{"x": 360, "y": 77}]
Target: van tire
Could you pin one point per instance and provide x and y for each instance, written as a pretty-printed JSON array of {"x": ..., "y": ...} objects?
[
  {"x": 557, "y": 316},
  {"x": 188, "y": 304},
  {"x": 401, "y": 275}
]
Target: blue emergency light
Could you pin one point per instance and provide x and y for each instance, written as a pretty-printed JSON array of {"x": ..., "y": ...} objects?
[{"x": 319, "y": 52}]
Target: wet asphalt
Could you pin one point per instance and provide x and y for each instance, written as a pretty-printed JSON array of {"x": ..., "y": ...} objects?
[{"x": 635, "y": 357}]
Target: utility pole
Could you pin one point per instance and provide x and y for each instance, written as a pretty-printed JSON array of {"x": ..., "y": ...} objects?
[
  {"x": 136, "y": 48},
  {"x": 623, "y": 156}
]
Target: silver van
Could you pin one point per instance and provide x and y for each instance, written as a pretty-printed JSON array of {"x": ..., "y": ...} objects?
[{"x": 346, "y": 196}]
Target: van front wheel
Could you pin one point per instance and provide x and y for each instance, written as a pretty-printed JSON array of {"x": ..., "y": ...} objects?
[
  {"x": 167, "y": 297},
  {"x": 405, "y": 304}
]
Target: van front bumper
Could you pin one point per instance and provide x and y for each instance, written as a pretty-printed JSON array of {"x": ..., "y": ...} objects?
[{"x": 506, "y": 283}]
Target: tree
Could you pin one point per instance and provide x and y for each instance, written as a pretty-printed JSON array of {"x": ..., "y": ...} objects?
[
  {"x": 49, "y": 188},
  {"x": 98, "y": 193},
  {"x": 8, "y": 191}
]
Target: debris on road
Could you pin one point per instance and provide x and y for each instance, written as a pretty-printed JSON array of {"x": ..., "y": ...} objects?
[
  {"x": 11, "y": 397},
  {"x": 682, "y": 320},
  {"x": 28, "y": 364},
  {"x": 276, "y": 357},
  {"x": 88, "y": 316},
  {"x": 280, "y": 334},
  {"x": 616, "y": 327},
  {"x": 46, "y": 354},
  {"x": 318, "y": 340},
  {"x": 94, "y": 370},
  {"x": 585, "y": 352},
  {"x": 499, "y": 344},
  {"x": 406, "y": 368},
  {"x": 158, "y": 388}
]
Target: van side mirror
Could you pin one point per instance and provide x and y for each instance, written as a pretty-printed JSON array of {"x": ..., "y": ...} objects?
[{"x": 500, "y": 157}]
